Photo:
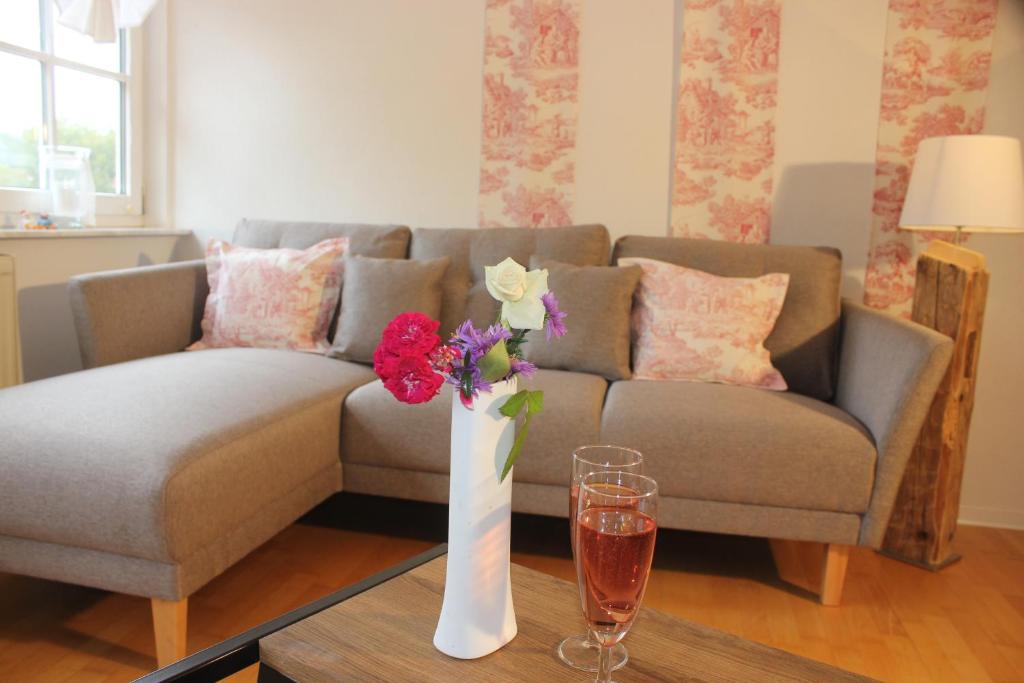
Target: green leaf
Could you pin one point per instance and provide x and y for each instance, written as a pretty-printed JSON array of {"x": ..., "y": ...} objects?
[
  {"x": 495, "y": 364},
  {"x": 513, "y": 404},
  {"x": 534, "y": 401},
  {"x": 517, "y": 447}
]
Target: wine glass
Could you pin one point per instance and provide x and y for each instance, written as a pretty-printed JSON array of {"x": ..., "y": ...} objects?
[
  {"x": 616, "y": 525},
  {"x": 580, "y": 652}
]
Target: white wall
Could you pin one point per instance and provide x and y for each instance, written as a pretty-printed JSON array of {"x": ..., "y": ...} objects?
[
  {"x": 625, "y": 126},
  {"x": 348, "y": 111},
  {"x": 995, "y": 455},
  {"x": 830, "y": 67},
  {"x": 370, "y": 111}
]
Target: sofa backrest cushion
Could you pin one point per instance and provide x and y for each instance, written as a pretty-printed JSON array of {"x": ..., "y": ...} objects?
[
  {"x": 805, "y": 342},
  {"x": 377, "y": 290},
  {"x": 377, "y": 241},
  {"x": 597, "y": 301},
  {"x": 470, "y": 249}
]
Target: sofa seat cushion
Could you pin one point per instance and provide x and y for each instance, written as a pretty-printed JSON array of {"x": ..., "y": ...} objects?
[
  {"x": 160, "y": 457},
  {"x": 734, "y": 444},
  {"x": 378, "y": 430}
]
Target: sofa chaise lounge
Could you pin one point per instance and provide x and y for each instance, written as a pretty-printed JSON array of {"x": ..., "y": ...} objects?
[{"x": 152, "y": 471}]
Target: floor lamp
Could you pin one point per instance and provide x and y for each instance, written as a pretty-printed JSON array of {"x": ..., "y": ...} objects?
[{"x": 960, "y": 184}]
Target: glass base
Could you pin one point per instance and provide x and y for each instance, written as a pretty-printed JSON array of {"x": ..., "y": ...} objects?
[{"x": 580, "y": 652}]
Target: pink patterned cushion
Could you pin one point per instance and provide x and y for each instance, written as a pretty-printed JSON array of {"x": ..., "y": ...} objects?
[
  {"x": 692, "y": 325},
  {"x": 271, "y": 298}
]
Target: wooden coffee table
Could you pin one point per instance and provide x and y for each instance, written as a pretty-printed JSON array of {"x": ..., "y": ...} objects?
[
  {"x": 381, "y": 629},
  {"x": 385, "y": 634}
]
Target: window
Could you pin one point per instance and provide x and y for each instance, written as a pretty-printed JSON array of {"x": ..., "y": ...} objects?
[{"x": 61, "y": 88}]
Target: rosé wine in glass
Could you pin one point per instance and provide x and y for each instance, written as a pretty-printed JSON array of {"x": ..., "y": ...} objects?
[
  {"x": 580, "y": 652},
  {"x": 615, "y": 535},
  {"x": 574, "y": 497},
  {"x": 616, "y": 548}
]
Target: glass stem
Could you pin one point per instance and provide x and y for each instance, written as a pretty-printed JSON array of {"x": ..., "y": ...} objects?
[{"x": 604, "y": 665}]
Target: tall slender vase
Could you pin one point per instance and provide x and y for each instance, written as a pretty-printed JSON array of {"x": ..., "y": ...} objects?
[{"x": 477, "y": 616}]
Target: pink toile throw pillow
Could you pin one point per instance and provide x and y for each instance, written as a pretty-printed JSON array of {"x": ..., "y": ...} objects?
[
  {"x": 271, "y": 298},
  {"x": 692, "y": 325}
]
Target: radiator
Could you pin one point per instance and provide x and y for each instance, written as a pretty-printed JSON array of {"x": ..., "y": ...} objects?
[{"x": 10, "y": 344}]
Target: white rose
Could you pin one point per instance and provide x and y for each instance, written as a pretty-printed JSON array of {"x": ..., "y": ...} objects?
[
  {"x": 528, "y": 312},
  {"x": 506, "y": 281},
  {"x": 519, "y": 292}
]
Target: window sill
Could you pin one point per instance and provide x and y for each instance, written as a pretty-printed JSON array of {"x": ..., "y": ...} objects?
[{"x": 17, "y": 234}]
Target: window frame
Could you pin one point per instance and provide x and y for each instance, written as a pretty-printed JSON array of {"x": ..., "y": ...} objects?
[{"x": 111, "y": 209}]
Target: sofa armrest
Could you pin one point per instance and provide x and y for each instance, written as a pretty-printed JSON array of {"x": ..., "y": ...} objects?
[
  {"x": 127, "y": 314},
  {"x": 889, "y": 370}
]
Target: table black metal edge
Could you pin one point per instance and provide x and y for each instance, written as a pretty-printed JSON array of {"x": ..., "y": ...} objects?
[{"x": 234, "y": 654}]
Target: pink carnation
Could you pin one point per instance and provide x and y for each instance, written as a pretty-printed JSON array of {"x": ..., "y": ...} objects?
[
  {"x": 411, "y": 334},
  {"x": 380, "y": 357},
  {"x": 403, "y": 358},
  {"x": 410, "y": 379}
]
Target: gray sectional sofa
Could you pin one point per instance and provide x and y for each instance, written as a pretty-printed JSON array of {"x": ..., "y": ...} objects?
[{"x": 153, "y": 471}]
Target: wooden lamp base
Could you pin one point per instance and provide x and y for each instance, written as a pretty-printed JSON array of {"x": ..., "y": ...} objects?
[
  {"x": 952, "y": 558},
  {"x": 949, "y": 296}
]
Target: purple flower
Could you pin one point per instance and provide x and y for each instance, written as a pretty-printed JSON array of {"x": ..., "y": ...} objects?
[
  {"x": 475, "y": 343},
  {"x": 553, "y": 319},
  {"x": 467, "y": 377},
  {"x": 522, "y": 367}
]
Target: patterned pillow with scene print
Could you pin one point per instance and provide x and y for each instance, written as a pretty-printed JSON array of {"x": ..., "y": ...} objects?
[
  {"x": 692, "y": 325},
  {"x": 271, "y": 298}
]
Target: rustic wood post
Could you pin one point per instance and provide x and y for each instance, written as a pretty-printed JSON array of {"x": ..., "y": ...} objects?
[{"x": 949, "y": 296}]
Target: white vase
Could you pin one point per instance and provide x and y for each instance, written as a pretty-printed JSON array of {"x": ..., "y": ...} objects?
[{"x": 477, "y": 616}]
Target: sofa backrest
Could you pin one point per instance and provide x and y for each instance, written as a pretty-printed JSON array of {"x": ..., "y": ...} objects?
[
  {"x": 379, "y": 241},
  {"x": 805, "y": 342},
  {"x": 470, "y": 249}
]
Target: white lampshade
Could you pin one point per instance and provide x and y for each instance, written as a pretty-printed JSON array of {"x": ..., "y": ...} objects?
[{"x": 973, "y": 183}]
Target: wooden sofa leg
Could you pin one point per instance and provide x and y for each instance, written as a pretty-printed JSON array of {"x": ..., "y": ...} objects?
[
  {"x": 170, "y": 618},
  {"x": 816, "y": 567},
  {"x": 833, "y": 574}
]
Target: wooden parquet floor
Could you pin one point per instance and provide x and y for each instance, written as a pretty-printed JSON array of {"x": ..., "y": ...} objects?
[{"x": 896, "y": 623}]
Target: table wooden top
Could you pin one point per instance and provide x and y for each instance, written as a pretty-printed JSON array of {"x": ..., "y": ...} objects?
[{"x": 386, "y": 633}]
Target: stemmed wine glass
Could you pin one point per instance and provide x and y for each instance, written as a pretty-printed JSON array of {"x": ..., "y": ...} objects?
[
  {"x": 580, "y": 652},
  {"x": 616, "y": 525}
]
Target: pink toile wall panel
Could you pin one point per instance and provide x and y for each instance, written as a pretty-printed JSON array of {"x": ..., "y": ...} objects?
[
  {"x": 725, "y": 133},
  {"x": 934, "y": 80},
  {"x": 531, "y": 80}
]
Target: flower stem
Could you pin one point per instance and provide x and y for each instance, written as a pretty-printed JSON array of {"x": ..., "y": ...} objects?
[{"x": 515, "y": 342}]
